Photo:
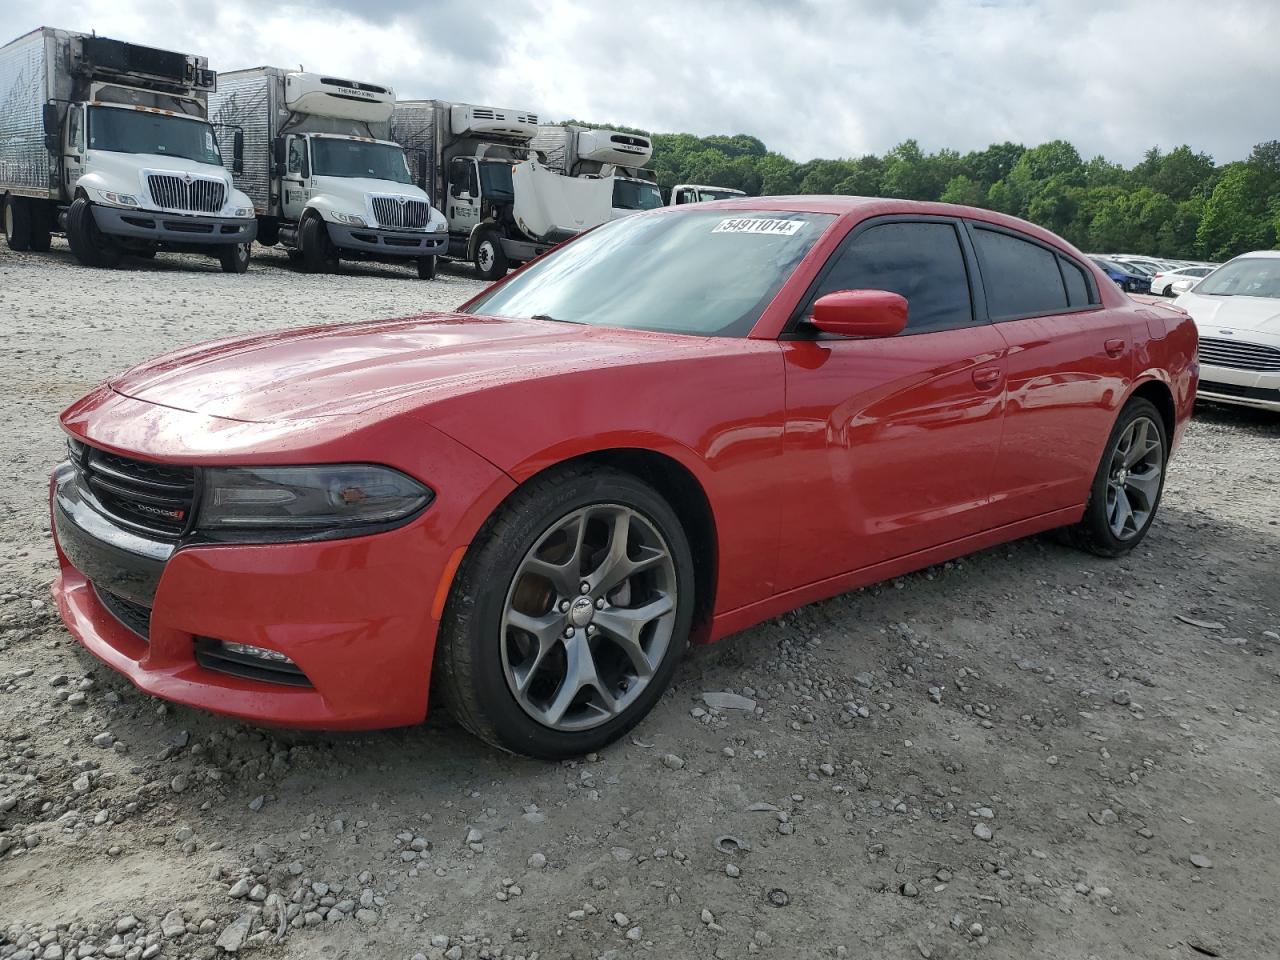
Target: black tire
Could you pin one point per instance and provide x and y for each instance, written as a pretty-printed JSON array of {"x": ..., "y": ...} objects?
[
  {"x": 427, "y": 268},
  {"x": 41, "y": 225},
  {"x": 268, "y": 231},
  {"x": 490, "y": 260},
  {"x": 1094, "y": 532},
  {"x": 318, "y": 255},
  {"x": 146, "y": 253},
  {"x": 87, "y": 243},
  {"x": 17, "y": 224},
  {"x": 469, "y": 674},
  {"x": 235, "y": 258}
]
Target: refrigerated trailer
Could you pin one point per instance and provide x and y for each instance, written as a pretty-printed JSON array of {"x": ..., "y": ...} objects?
[
  {"x": 110, "y": 143},
  {"x": 503, "y": 204},
  {"x": 609, "y": 155},
  {"x": 326, "y": 180}
]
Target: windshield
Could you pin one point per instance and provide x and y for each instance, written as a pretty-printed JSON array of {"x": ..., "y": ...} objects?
[
  {"x": 705, "y": 195},
  {"x": 332, "y": 157},
  {"x": 122, "y": 130},
  {"x": 1247, "y": 277},
  {"x": 495, "y": 181},
  {"x": 699, "y": 273},
  {"x": 633, "y": 195}
]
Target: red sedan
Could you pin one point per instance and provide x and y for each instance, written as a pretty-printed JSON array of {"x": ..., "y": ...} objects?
[{"x": 673, "y": 427}]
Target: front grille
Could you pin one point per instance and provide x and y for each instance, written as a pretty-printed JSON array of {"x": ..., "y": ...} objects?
[
  {"x": 401, "y": 212},
  {"x": 1236, "y": 390},
  {"x": 151, "y": 497},
  {"x": 135, "y": 616},
  {"x": 212, "y": 655},
  {"x": 1239, "y": 355},
  {"x": 196, "y": 194}
]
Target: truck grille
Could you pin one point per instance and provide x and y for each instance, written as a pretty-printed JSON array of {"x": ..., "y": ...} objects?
[
  {"x": 1238, "y": 355},
  {"x": 401, "y": 212},
  {"x": 195, "y": 194},
  {"x": 150, "y": 497}
]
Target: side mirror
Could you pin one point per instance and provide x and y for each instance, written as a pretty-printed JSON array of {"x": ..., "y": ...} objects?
[
  {"x": 52, "y": 135},
  {"x": 278, "y": 151},
  {"x": 237, "y": 151},
  {"x": 860, "y": 313}
]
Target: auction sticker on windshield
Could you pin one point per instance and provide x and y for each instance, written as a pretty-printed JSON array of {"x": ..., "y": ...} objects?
[{"x": 785, "y": 228}]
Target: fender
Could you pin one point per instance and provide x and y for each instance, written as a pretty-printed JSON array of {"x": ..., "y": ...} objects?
[{"x": 481, "y": 228}]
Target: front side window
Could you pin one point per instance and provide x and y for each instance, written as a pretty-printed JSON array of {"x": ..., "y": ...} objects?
[
  {"x": 636, "y": 195},
  {"x": 1021, "y": 278},
  {"x": 922, "y": 262},
  {"x": 75, "y": 132},
  {"x": 124, "y": 130},
  {"x": 692, "y": 272},
  {"x": 297, "y": 157},
  {"x": 335, "y": 157},
  {"x": 1246, "y": 277}
]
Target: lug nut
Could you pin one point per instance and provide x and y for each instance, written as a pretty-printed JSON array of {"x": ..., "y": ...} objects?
[
  {"x": 591, "y": 629},
  {"x": 585, "y": 587},
  {"x": 600, "y": 604},
  {"x": 564, "y": 606},
  {"x": 568, "y": 632}
]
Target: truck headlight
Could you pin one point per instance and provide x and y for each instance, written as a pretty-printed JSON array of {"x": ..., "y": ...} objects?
[
  {"x": 350, "y": 219},
  {"x": 242, "y": 212},
  {"x": 440, "y": 226},
  {"x": 337, "y": 497},
  {"x": 119, "y": 199}
]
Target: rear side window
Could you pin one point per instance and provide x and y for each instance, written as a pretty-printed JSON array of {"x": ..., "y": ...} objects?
[
  {"x": 1021, "y": 278},
  {"x": 920, "y": 261},
  {"x": 1077, "y": 284}
]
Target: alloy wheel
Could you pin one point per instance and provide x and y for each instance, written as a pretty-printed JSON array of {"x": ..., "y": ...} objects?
[
  {"x": 1133, "y": 478},
  {"x": 588, "y": 617}
]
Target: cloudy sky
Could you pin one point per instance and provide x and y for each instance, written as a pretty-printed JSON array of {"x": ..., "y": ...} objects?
[{"x": 826, "y": 78}]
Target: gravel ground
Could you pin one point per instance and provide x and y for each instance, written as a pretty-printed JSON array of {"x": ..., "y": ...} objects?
[{"x": 1029, "y": 752}]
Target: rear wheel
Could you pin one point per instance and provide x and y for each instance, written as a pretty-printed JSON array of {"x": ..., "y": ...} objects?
[
  {"x": 318, "y": 253},
  {"x": 426, "y": 268},
  {"x": 17, "y": 223},
  {"x": 490, "y": 260},
  {"x": 41, "y": 225},
  {"x": 567, "y": 618},
  {"x": 1128, "y": 484},
  {"x": 235, "y": 258},
  {"x": 87, "y": 243}
]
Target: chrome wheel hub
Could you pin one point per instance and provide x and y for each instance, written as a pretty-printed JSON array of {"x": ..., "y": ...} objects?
[
  {"x": 588, "y": 617},
  {"x": 1133, "y": 485}
]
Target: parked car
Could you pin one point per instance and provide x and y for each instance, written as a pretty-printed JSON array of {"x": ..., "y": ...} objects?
[
  {"x": 1237, "y": 311},
  {"x": 672, "y": 427},
  {"x": 1149, "y": 266},
  {"x": 1127, "y": 279},
  {"x": 1162, "y": 281}
]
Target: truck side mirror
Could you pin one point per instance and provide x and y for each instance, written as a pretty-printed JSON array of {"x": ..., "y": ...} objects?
[
  {"x": 52, "y": 135},
  {"x": 278, "y": 156},
  {"x": 237, "y": 151}
]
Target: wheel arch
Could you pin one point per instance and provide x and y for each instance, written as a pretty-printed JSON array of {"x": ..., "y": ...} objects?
[{"x": 1161, "y": 396}]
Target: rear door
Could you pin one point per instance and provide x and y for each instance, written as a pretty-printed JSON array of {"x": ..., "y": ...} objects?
[
  {"x": 891, "y": 442},
  {"x": 1070, "y": 361}
]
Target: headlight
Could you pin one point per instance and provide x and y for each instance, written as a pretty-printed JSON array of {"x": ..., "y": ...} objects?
[
  {"x": 241, "y": 212},
  {"x": 307, "y": 498},
  {"x": 441, "y": 226},
  {"x": 350, "y": 219},
  {"x": 119, "y": 199}
]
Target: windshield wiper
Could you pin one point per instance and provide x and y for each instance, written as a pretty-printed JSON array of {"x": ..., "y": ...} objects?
[{"x": 548, "y": 317}]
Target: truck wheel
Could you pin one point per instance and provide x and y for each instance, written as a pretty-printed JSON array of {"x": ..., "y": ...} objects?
[
  {"x": 41, "y": 226},
  {"x": 17, "y": 224},
  {"x": 87, "y": 243},
  {"x": 268, "y": 231},
  {"x": 318, "y": 255},
  {"x": 426, "y": 268},
  {"x": 491, "y": 262},
  {"x": 235, "y": 258}
]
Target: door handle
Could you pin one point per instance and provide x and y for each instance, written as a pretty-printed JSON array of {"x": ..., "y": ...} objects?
[
  {"x": 986, "y": 377},
  {"x": 1114, "y": 347}
]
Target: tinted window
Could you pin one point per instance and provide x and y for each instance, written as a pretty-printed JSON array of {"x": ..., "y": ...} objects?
[
  {"x": 1021, "y": 278},
  {"x": 920, "y": 261},
  {"x": 1077, "y": 285}
]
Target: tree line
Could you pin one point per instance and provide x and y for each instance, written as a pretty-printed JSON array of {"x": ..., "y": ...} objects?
[{"x": 1177, "y": 204}]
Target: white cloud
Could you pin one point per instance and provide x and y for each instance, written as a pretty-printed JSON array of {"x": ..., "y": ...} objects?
[{"x": 809, "y": 77}]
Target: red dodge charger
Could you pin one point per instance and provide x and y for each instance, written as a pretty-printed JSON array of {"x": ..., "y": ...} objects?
[{"x": 673, "y": 427}]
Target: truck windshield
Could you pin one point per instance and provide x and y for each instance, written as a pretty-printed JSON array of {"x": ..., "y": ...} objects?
[
  {"x": 705, "y": 194},
  {"x": 701, "y": 273},
  {"x": 634, "y": 195},
  {"x": 334, "y": 157},
  {"x": 123, "y": 130},
  {"x": 495, "y": 181}
]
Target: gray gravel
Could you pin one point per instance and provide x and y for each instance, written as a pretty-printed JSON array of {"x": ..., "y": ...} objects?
[{"x": 1025, "y": 752}]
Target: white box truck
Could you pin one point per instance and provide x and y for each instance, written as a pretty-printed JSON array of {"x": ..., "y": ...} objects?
[
  {"x": 503, "y": 204},
  {"x": 697, "y": 193},
  {"x": 606, "y": 155},
  {"x": 110, "y": 143},
  {"x": 326, "y": 180}
]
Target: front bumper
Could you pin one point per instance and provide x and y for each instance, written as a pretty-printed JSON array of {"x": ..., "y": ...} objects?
[
  {"x": 1247, "y": 388},
  {"x": 354, "y": 615},
  {"x": 174, "y": 228},
  {"x": 387, "y": 243}
]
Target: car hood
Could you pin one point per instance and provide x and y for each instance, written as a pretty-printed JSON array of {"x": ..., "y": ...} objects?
[
  {"x": 1214, "y": 314},
  {"x": 350, "y": 369}
]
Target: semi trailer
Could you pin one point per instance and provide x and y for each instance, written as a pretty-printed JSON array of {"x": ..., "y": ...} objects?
[
  {"x": 503, "y": 204},
  {"x": 607, "y": 155},
  {"x": 109, "y": 142},
  {"x": 697, "y": 193},
  {"x": 326, "y": 180}
]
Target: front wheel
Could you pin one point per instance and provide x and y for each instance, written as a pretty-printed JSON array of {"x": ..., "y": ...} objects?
[
  {"x": 87, "y": 243},
  {"x": 1128, "y": 484},
  {"x": 426, "y": 268},
  {"x": 490, "y": 259},
  {"x": 235, "y": 258},
  {"x": 567, "y": 618},
  {"x": 318, "y": 253}
]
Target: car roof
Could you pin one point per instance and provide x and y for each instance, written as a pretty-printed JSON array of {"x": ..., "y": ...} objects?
[{"x": 1269, "y": 254}]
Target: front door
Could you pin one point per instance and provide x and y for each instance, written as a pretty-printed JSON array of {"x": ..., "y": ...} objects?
[
  {"x": 296, "y": 184},
  {"x": 892, "y": 442},
  {"x": 73, "y": 148},
  {"x": 464, "y": 195}
]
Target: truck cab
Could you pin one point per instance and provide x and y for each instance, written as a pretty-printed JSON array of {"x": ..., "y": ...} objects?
[
  {"x": 632, "y": 194},
  {"x": 697, "y": 193}
]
